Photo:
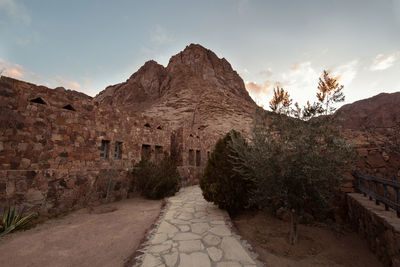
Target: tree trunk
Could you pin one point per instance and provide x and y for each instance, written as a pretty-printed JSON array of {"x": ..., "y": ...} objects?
[{"x": 293, "y": 228}]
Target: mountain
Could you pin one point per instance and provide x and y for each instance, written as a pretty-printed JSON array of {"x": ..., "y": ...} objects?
[
  {"x": 373, "y": 125},
  {"x": 196, "y": 89},
  {"x": 380, "y": 111}
]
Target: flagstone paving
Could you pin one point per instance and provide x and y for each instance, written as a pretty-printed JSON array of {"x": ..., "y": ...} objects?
[{"x": 193, "y": 232}]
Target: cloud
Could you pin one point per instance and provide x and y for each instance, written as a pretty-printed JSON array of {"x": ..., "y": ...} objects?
[
  {"x": 17, "y": 71},
  {"x": 300, "y": 76},
  {"x": 261, "y": 93},
  {"x": 160, "y": 36},
  {"x": 266, "y": 73},
  {"x": 258, "y": 89},
  {"x": 346, "y": 73},
  {"x": 87, "y": 86},
  {"x": 300, "y": 80},
  {"x": 68, "y": 84},
  {"x": 15, "y": 10},
  {"x": 382, "y": 62}
]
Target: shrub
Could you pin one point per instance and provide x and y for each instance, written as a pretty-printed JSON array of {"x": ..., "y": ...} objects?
[
  {"x": 12, "y": 220},
  {"x": 156, "y": 180},
  {"x": 297, "y": 158},
  {"x": 220, "y": 184}
]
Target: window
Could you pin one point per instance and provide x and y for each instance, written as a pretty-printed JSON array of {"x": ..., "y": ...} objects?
[
  {"x": 105, "y": 144},
  {"x": 159, "y": 153},
  {"x": 146, "y": 151},
  {"x": 147, "y": 125},
  {"x": 198, "y": 158},
  {"x": 38, "y": 100},
  {"x": 208, "y": 154},
  {"x": 118, "y": 150},
  {"x": 159, "y": 127},
  {"x": 69, "y": 107},
  {"x": 191, "y": 157}
]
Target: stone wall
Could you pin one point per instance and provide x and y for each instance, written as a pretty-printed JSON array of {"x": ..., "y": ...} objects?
[
  {"x": 371, "y": 159},
  {"x": 59, "y": 150},
  {"x": 191, "y": 150},
  {"x": 380, "y": 228},
  {"x": 372, "y": 156},
  {"x": 50, "y": 147}
]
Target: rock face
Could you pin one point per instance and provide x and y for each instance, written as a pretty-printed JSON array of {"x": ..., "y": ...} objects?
[
  {"x": 197, "y": 90},
  {"x": 372, "y": 124},
  {"x": 380, "y": 111},
  {"x": 142, "y": 89}
]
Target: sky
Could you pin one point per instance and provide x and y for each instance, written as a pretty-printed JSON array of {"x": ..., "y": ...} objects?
[{"x": 87, "y": 45}]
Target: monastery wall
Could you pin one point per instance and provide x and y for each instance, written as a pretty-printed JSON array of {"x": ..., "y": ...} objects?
[
  {"x": 191, "y": 150},
  {"x": 59, "y": 150}
]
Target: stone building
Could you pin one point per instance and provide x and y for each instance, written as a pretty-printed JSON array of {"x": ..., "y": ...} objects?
[{"x": 60, "y": 150}]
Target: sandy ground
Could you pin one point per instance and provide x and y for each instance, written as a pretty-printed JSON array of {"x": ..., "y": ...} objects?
[
  {"x": 105, "y": 236},
  {"x": 317, "y": 246}
]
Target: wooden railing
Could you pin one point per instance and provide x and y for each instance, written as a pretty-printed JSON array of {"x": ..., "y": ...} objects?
[{"x": 372, "y": 186}]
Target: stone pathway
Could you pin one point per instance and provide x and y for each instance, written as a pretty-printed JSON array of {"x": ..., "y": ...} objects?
[{"x": 193, "y": 232}]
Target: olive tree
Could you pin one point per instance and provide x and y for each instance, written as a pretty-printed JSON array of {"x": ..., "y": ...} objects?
[{"x": 296, "y": 159}]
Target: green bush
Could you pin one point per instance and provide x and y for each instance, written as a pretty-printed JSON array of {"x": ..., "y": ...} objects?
[
  {"x": 297, "y": 157},
  {"x": 156, "y": 180},
  {"x": 220, "y": 184},
  {"x": 11, "y": 220}
]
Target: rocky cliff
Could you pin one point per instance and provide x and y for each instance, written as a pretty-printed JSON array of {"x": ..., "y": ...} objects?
[
  {"x": 380, "y": 111},
  {"x": 373, "y": 125},
  {"x": 197, "y": 90}
]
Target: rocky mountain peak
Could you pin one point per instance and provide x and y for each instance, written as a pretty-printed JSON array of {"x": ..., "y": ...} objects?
[
  {"x": 150, "y": 67},
  {"x": 205, "y": 64},
  {"x": 197, "y": 89},
  {"x": 197, "y": 58}
]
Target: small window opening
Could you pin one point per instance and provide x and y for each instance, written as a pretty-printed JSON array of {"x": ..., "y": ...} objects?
[
  {"x": 146, "y": 152},
  {"x": 159, "y": 127},
  {"x": 38, "y": 100},
  {"x": 159, "y": 153},
  {"x": 105, "y": 144},
  {"x": 191, "y": 135},
  {"x": 147, "y": 125},
  {"x": 191, "y": 157},
  {"x": 208, "y": 154},
  {"x": 69, "y": 107},
  {"x": 118, "y": 150},
  {"x": 198, "y": 158}
]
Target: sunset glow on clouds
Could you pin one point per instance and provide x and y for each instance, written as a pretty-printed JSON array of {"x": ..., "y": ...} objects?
[
  {"x": 19, "y": 72},
  {"x": 66, "y": 83},
  {"x": 16, "y": 71},
  {"x": 301, "y": 81}
]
